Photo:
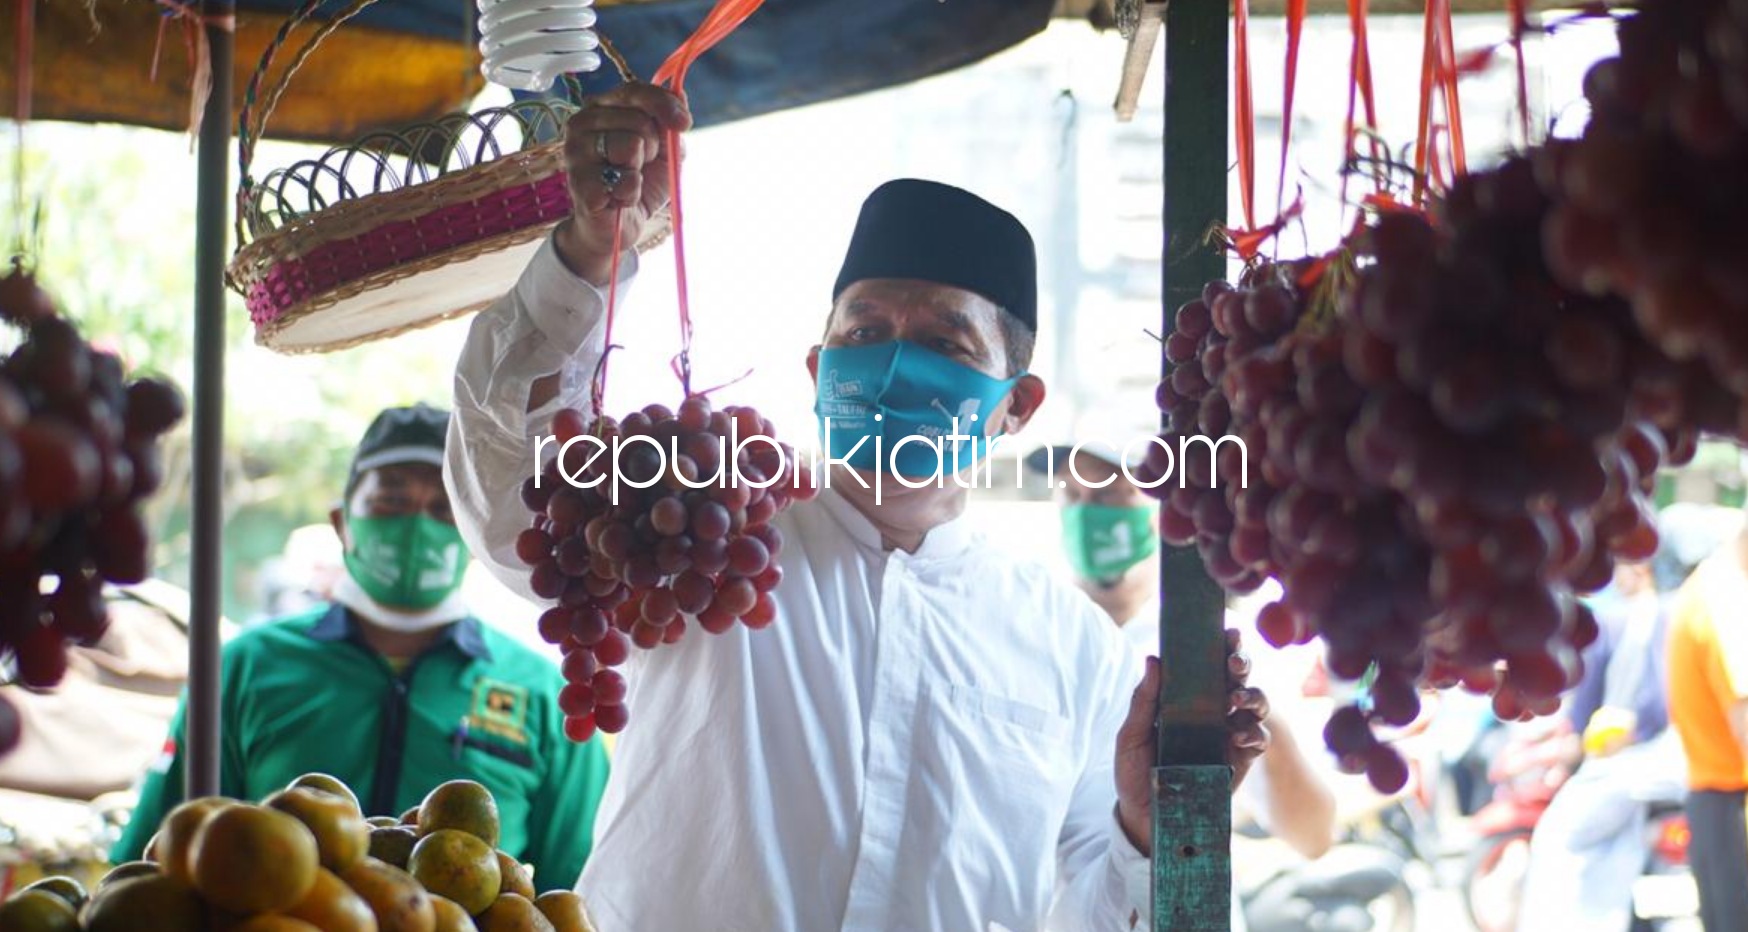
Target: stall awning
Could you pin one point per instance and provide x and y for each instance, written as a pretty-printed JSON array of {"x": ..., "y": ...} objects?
[{"x": 404, "y": 61}]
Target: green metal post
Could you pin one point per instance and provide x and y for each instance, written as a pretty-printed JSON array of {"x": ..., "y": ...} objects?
[{"x": 1192, "y": 807}]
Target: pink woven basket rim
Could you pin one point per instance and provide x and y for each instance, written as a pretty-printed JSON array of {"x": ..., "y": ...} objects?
[{"x": 290, "y": 282}]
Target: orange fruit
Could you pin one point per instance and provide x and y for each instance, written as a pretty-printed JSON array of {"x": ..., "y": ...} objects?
[
  {"x": 176, "y": 834},
  {"x": 515, "y": 877},
  {"x": 463, "y": 805},
  {"x": 272, "y": 923},
  {"x": 155, "y": 902},
  {"x": 512, "y": 913},
  {"x": 400, "y": 904},
  {"x": 250, "y": 859},
  {"x": 565, "y": 910},
  {"x": 451, "y": 917},
  {"x": 393, "y": 845},
  {"x": 38, "y": 911},
  {"x": 454, "y": 864},
  {"x": 333, "y": 907},
  {"x": 327, "y": 784}
]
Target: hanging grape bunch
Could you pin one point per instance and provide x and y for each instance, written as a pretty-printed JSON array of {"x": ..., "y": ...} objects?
[
  {"x": 1437, "y": 469},
  {"x": 1292, "y": 505},
  {"x": 1650, "y": 199},
  {"x": 78, "y": 453},
  {"x": 682, "y": 534},
  {"x": 1500, "y": 411}
]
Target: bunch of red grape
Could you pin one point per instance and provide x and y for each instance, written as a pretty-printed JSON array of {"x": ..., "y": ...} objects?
[
  {"x": 78, "y": 453},
  {"x": 1649, "y": 200},
  {"x": 1268, "y": 368},
  {"x": 1439, "y": 466},
  {"x": 667, "y": 515}
]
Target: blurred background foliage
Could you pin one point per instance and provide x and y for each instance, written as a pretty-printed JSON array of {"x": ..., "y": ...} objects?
[{"x": 109, "y": 220}]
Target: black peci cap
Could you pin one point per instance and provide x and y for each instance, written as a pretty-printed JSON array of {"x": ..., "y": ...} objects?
[
  {"x": 933, "y": 232},
  {"x": 401, "y": 435}
]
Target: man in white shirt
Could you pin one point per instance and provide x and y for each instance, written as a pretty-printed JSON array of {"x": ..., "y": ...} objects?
[
  {"x": 1109, "y": 537},
  {"x": 929, "y": 737}
]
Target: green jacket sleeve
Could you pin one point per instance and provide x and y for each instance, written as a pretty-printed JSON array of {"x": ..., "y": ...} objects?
[
  {"x": 161, "y": 789},
  {"x": 562, "y": 817}
]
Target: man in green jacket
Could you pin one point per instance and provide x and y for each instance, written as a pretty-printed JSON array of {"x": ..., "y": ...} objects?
[{"x": 395, "y": 688}]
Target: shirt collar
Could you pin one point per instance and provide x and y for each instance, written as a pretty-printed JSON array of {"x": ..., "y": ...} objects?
[{"x": 339, "y": 624}]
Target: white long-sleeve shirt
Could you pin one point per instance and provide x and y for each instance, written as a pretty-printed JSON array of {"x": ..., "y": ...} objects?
[{"x": 921, "y": 741}]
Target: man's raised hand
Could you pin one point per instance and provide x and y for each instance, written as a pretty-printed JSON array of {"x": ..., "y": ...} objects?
[{"x": 616, "y": 166}]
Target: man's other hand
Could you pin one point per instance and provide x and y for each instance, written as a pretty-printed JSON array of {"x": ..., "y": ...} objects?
[{"x": 1138, "y": 740}]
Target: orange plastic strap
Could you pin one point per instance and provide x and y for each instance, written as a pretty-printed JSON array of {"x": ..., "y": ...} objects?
[
  {"x": 1447, "y": 66},
  {"x": 723, "y": 19},
  {"x": 598, "y": 396},
  {"x": 1359, "y": 84},
  {"x": 1244, "y": 115},
  {"x": 1520, "y": 25},
  {"x": 1295, "y": 28},
  {"x": 1423, "y": 134}
]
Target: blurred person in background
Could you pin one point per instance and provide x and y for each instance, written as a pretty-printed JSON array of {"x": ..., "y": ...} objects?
[
  {"x": 1708, "y": 704},
  {"x": 1589, "y": 844},
  {"x": 1110, "y": 537},
  {"x": 396, "y": 687}
]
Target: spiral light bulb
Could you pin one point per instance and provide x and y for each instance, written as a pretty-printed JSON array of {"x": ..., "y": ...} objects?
[{"x": 527, "y": 44}]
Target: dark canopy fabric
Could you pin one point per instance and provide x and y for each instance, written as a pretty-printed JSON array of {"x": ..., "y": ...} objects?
[
  {"x": 97, "y": 65},
  {"x": 797, "y": 52},
  {"x": 403, "y": 61}
]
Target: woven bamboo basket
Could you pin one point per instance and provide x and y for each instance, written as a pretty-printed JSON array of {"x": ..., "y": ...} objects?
[{"x": 396, "y": 231}]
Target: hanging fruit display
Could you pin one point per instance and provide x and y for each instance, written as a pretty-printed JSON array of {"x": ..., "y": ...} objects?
[
  {"x": 642, "y": 522},
  {"x": 79, "y": 452},
  {"x": 1448, "y": 428}
]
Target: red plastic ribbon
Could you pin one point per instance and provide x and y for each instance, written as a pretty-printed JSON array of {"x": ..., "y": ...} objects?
[
  {"x": 1448, "y": 77},
  {"x": 1243, "y": 111},
  {"x": 597, "y": 398},
  {"x": 1428, "y": 72},
  {"x": 1438, "y": 79},
  {"x": 1248, "y": 242},
  {"x": 1295, "y": 28},
  {"x": 724, "y": 19},
  {"x": 1519, "y": 25},
  {"x": 1359, "y": 84}
]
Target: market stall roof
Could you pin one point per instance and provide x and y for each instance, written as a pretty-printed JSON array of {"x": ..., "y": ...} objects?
[
  {"x": 405, "y": 61},
  {"x": 398, "y": 62},
  {"x": 1103, "y": 11}
]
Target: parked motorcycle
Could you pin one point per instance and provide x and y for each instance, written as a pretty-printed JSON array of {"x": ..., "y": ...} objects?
[
  {"x": 1664, "y": 897},
  {"x": 1534, "y": 762},
  {"x": 1351, "y": 888}
]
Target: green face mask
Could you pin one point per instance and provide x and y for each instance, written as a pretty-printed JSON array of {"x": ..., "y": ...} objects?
[
  {"x": 406, "y": 561},
  {"x": 1103, "y": 541}
]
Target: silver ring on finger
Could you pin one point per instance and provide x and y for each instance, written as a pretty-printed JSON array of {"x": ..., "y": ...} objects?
[
  {"x": 601, "y": 147},
  {"x": 611, "y": 175}
]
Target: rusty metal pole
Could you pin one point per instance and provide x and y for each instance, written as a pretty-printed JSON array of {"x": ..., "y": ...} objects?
[
  {"x": 1192, "y": 795},
  {"x": 212, "y": 211}
]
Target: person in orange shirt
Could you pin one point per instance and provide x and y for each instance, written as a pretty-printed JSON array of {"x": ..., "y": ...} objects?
[{"x": 1708, "y": 704}]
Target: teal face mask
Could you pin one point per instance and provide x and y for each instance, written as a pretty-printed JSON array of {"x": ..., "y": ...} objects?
[
  {"x": 406, "y": 561},
  {"x": 1104, "y": 541},
  {"x": 876, "y": 396}
]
